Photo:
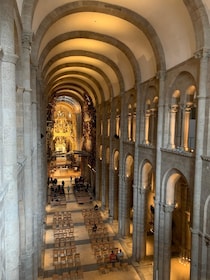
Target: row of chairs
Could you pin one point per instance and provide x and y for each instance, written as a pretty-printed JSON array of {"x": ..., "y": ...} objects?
[
  {"x": 64, "y": 252},
  {"x": 67, "y": 234},
  {"x": 64, "y": 243},
  {"x": 67, "y": 261},
  {"x": 102, "y": 244},
  {"x": 104, "y": 250},
  {"x": 109, "y": 267},
  {"x": 72, "y": 275}
]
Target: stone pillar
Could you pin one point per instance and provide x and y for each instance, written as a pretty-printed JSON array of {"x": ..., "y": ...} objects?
[
  {"x": 146, "y": 128},
  {"x": 139, "y": 243},
  {"x": 168, "y": 209},
  {"x": 117, "y": 126},
  {"x": 98, "y": 160},
  {"x": 205, "y": 273},
  {"x": 158, "y": 214},
  {"x": 125, "y": 207},
  {"x": 172, "y": 126},
  {"x": 136, "y": 180},
  {"x": 116, "y": 193},
  {"x": 106, "y": 179},
  {"x": 27, "y": 261},
  {"x": 134, "y": 128},
  {"x": 203, "y": 55},
  {"x": 9, "y": 159},
  {"x": 103, "y": 171},
  {"x": 129, "y": 127},
  {"x": 153, "y": 126},
  {"x": 10, "y": 251},
  {"x": 185, "y": 126},
  {"x": 111, "y": 192},
  {"x": 122, "y": 183},
  {"x": 35, "y": 175},
  {"x": 136, "y": 224},
  {"x": 41, "y": 163}
]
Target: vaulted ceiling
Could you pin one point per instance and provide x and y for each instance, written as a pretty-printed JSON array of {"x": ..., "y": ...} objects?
[{"x": 106, "y": 48}]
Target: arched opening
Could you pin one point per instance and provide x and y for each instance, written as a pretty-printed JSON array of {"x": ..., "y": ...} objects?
[
  {"x": 178, "y": 199},
  {"x": 129, "y": 165}
]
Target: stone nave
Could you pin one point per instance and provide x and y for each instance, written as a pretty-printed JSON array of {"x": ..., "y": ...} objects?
[{"x": 117, "y": 92}]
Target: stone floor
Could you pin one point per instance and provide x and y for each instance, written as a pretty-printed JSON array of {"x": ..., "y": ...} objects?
[{"x": 135, "y": 271}]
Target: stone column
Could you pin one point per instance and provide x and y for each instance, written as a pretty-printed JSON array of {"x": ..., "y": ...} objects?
[
  {"x": 10, "y": 251},
  {"x": 139, "y": 246},
  {"x": 108, "y": 127},
  {"x": 122, "y": 181},
  {"x": 9, "y": 159},
  {"x": 158, "y": 212},
  {"x": 125, "y": 207},
  {"x": 41, "y": 178},
  {"x": 98, "y": 160},
  {"x": 203, "y": 55},
  {"x": 153, "y": 126},
  {"x": 172, "y": 126},
  {"x": 185, "y": 126},
  {"x": 136, "y": 224},
  {"x": 168, "y": 209},
  {"x": 35, "y": 175},
  {"x": 117, "y": 125},
  {"x": 136, "y": 179},
  {"x": 111, "y": 193},
  {"x": 146, "y": 127},
  {"x": 103, "y": 165},
  {"x": 129, "y": 127},
  {"x": 27, "y": 260},
  {"x": 205, "y": 273},
  {"x": 116, "y": 193},
  {"x": 134, "y": 128},
  {"x": 106, "y": 179}
]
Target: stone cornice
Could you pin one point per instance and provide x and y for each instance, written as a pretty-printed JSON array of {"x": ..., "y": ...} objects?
[
  {"x": 205, "y": 158},
  {"x": 178, "y": 152}
]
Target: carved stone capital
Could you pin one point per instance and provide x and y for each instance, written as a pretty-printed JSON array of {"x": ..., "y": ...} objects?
[
  {"x": 27, "y": 39},
  {"x": 160, "y": 75},
  {"x": 202, "y": 53},
  {"x": 168, "y": 208}
]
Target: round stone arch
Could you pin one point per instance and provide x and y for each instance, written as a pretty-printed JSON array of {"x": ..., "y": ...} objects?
[
  {"x": 129, "y": 165},
  {"x": 116, "y": 156},
  {"x": 146, "y": 170},
  {"x": 170, "y": 179}
]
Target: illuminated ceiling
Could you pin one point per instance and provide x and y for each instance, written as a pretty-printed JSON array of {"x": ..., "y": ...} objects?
[{"x": 105, "y": 48}]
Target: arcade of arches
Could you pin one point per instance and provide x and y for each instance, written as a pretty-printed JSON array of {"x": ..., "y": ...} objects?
[{"x": 113, "y": 95}]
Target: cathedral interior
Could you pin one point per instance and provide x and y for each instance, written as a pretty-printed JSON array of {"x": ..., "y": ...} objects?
[{"x": 104, "y": 143}]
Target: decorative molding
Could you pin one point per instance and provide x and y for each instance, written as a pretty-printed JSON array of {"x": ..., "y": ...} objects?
[
  {"x": 205, "y": 158},
  {"x": 9, "y": 57},
  {"x": 20, "y": 89},
  {"x": 202, "y": 53},
  {"x": 168, "y": 208},
  {"x": 160, "y": 75},
  {"x": 178, "y": 151}
]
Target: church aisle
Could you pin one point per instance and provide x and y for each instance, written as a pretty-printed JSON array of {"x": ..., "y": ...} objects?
[{"x": 88, "y": 269}]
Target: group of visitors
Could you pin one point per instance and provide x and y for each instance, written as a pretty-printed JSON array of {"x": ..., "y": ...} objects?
[
  {"x": 56, "y": 189},
  {"x": 116, "y": 257}
]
